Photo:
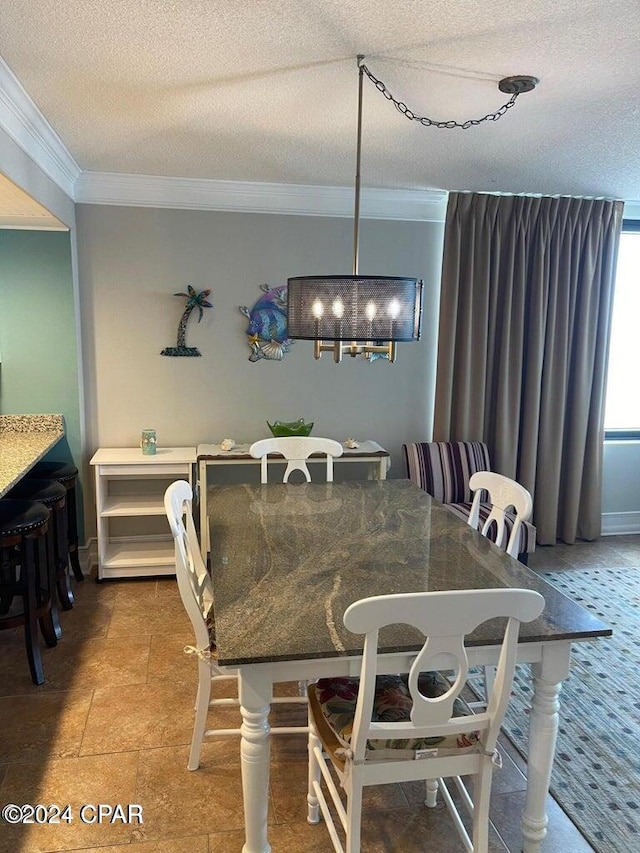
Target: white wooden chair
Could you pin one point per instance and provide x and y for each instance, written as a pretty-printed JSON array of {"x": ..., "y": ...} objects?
[
  {"x": 424, "y": 723},
  {"x": 504, "y": 494},
  {"x": 196, "y": 592},
  {"x": 296, "y": 450},
  {"x": 444, "y": 470},
  {"x": 511, "y": 506}
]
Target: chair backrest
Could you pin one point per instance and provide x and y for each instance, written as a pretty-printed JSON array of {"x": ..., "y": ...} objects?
[
  {"x": 444, "y": 619},
  {"x": 194, "y": 583},
  {"x": 443, "y": 468},
  {"x": 504, "y": 493},
  {"x": 296, "y": 449}
]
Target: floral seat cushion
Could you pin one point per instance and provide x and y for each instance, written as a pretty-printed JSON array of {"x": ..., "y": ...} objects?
[
  {"x": 334, "y": 700},
  {"x": 211, "y": 627}
]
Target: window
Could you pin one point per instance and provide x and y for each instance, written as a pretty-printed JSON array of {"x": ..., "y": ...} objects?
[{"x": 622, "y": 409}]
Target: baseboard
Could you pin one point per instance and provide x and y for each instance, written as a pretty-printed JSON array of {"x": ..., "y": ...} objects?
[
  {"x": 614, "y": 523},
  {"x": 88, "y": 555}
]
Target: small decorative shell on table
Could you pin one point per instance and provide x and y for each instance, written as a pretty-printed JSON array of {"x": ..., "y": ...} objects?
[
  {"x": 351, "y": 443},
  {"x": 227, "y": 444}
]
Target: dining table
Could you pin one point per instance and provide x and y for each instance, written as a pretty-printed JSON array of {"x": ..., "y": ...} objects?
[
  {"x": 286, "y": 562},
  {"x": 368, "y": 452}
]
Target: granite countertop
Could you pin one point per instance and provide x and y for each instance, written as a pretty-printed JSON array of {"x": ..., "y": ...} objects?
[
  {"x": 24, "y": 440},
  {"x": 287, "y": 560}
]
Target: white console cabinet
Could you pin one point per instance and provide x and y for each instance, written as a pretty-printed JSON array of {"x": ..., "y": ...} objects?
[{"x": 129, "y": 493}]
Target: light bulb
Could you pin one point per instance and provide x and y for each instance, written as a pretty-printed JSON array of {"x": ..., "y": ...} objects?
[
  {"x": 371, "y": 310},
  {"x": 318, "y": 309},
  {"x": 393, "y": 309},
  {"x": 338, "y": 308}
]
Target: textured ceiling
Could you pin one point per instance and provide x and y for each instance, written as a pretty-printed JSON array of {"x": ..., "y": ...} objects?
[{"x": 265, "y": 90}]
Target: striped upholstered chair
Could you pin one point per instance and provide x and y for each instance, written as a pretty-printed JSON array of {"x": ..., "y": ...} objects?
[{"x": 444, "y": 468}]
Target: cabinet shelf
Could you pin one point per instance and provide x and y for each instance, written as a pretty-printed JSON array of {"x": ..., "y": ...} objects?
[
  {"x": 132, "y": 505},
  {"x": 129, "y": 486},
  {"x": 144, "y": 553}
]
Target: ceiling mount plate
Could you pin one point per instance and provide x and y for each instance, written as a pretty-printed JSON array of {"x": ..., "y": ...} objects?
[{"x": 518, "y": 84}]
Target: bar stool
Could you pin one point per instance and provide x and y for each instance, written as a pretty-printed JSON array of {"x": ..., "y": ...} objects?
[
  {"x": 23, "y": 560},
  {"x": 54, "y": 496},
  {"x": 67, "y": 474}
]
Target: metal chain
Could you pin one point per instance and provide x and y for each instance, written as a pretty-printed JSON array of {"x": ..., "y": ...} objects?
[{"x": 429, "y": 122}]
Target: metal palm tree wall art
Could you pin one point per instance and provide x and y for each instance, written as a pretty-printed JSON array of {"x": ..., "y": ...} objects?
[{"x": 194, "y": 300}]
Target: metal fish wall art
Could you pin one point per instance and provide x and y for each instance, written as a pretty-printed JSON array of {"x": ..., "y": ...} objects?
[{"x": 267, "y": 329}]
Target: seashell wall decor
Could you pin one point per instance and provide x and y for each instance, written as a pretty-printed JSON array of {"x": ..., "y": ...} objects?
[
  {"x": 267, "y": 329},
  {"x": 194, "y": 300}
]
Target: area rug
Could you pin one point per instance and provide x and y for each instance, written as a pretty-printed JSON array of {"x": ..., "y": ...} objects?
[{"x": 596, "y": 774}]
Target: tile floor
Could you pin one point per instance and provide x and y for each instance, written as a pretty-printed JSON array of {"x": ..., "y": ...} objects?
[{"x": 113, "y": 722}]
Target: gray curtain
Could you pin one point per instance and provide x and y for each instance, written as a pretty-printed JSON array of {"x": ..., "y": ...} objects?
[{"x": 524, "y": 332}]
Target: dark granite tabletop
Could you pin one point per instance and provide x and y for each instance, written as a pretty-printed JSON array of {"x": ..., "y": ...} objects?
[{"x": 287, "y": 560}]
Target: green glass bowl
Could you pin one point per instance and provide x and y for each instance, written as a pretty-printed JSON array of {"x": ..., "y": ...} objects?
[{"x": 281, "y": 430}]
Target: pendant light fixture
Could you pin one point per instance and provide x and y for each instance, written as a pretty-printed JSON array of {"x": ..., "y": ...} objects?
[
  {"x": 368, "y": 315},
  {"x": 354, "y": 314}
]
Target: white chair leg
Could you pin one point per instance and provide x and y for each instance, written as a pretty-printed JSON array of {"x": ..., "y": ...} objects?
[
  {"x": 481, "y": 797},
  {"x": 432, "y": 793},
  {"x": 354, "y": 818},
  {"x": 313, "y": 813},
  {"x": 202, "y": 707}
]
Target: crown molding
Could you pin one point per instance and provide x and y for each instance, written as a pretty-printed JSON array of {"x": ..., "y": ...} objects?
[
  {"x": 244, "y": 197},
  {"x": 21, "y": 119}
]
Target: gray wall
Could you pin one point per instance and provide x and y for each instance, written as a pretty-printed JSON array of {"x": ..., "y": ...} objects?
[
  {"x": 621, "y": 487},
  {"x": 131, "y": 261}
]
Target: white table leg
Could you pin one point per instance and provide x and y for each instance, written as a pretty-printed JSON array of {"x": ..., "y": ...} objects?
[
  {"x": 547, "y": 679},
  {"x": 377, "y": 469},
  {"x": 204, "y": 518},
  {"x": 254, "y": 690}
]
